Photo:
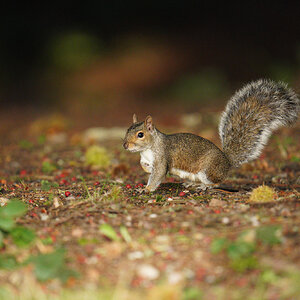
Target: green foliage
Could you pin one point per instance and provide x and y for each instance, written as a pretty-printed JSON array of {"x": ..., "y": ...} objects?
[
  {"x": 241, "y": 251},
  {"x": 41, "y": 139},
  {"x": 22, "y": 236},
  {"x": 109, "y": 232},
  {"x": 125, "y": 234},
  {"x": 159, "y": 198},
  {"x": 243, "y": 264},
  {"x": 25, "y": 144},
  {"x": 192, "y": 293},
  {"x": 86, "y": 241},
  {"x": 114, "y": 193},
  {"x": 8, "y": 262},
  {"x": 48, "y": 167},
  {"x": 14, "y": 208},
  {"x": 282, "y": 72},
  {"x": 218, "y": 245},
  {"x": 47, "y": 266},
  {"x": 269, "y": 235},
  {"x": 8, "y": 213},
  {"x": 206, "y": 85},
  {"x": 295, "y": 159},
  {"x": 52, "y": 265},
  {"x": 74, "y": 50},
  {"x": 46, "y": 185}
]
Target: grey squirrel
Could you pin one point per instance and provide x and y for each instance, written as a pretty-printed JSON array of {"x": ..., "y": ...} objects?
[{"x": 250, "y": 116}]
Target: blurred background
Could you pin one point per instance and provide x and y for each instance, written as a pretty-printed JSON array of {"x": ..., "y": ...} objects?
[{"x": 97, "y": 62}]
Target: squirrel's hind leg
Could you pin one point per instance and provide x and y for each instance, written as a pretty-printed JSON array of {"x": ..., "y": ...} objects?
[{"x": 188, "y": 184}]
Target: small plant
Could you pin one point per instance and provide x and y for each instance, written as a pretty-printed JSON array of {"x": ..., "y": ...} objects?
[
  {"x": 48, "y": 167},
  {"x": 8, "y": 214},
  {"x": 52, "y": 265},
  {"x": 25, "y": 144},
  {"x": 109, "y": 232},
  {"x": 262, "y": 194},
  {"x": 241, "y": 251},
  {"x": 46, "y": 185},
  {"x": 97, "y": 157}
]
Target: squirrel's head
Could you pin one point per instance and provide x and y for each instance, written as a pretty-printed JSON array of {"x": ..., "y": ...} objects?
[{"x": 139, "y": 135}]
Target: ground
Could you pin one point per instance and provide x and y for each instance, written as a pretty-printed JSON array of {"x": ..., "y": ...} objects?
[{"x": 174, "y": 243}]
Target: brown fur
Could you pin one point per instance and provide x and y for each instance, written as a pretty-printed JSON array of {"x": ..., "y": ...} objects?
[{"x": 246, "y": 124}]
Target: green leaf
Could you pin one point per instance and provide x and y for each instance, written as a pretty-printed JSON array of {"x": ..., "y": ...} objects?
[
  {"x": 6, "y": 224},
  {"x": 48, "y": 167},
  {"x": 243, "y": 264},
  {"x": 239, "y": 249},
  {"x": 51, "y": 265},
  {"x": 192, "y": 293},
  {"x": 25, "y": 144},
  {"x": 46, "y": 185},
  {"x": 109, "y": 232},
  {"x": 269, "y": 235},
  {"x": 218, "y": 245},
  {"x": 14, "y": 208},
  {"x": 1, "y": 240},
  {"x": 125, "y": 234},
  {"x": 22, "y": 236},
  {"x": 8, "y": 262}
]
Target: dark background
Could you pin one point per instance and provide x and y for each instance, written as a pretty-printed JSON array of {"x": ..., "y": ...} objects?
[{"x": 241, "y": 41}]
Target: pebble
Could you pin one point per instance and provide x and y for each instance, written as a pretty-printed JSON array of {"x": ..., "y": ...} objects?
[
  {"x": 254, "y": 220},
  {"x": 285, "y": 212},
  {"x": 3, "y": 201},
  {"x": 44, "y": 217},
  {"x": 153, "y": 216},
  {"x": 55, "y": 202},
  {"x": 225, "y": 220},
  {"x": 217, "y": 202},
  {"x": 175, "y": 277},
  {"x": 135, "y": 255},
  {"x": 147, "y": 271}
]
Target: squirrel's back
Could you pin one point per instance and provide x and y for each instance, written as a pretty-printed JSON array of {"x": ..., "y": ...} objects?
[{"x": 252, "y": 114}]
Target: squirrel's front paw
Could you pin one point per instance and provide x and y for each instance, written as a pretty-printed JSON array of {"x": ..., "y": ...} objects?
[{"x": 149, "y": 189}]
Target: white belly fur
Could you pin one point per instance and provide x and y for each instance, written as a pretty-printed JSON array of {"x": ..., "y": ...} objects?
[
  {"x": 198, "y": 177},
  {"x": 147, "y": 158}
]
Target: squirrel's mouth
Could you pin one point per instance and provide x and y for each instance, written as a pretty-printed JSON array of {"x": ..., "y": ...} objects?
[{"x": 133, "y": 150}]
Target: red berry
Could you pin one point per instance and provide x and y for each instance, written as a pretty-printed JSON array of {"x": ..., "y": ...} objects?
[
  {"x": 74, "y": 178},
  {"x": 64, "y": 181},
  {"x": 96, "y": 183},
  {"x": 181, "y": 194},
  {"x": 128, "y": 186},
  {"x": 23, "y": 172},
  {"x": 141, "y": 185},
  {"x": 30, "y": 201},
  {"x": 67, "y": 193}
]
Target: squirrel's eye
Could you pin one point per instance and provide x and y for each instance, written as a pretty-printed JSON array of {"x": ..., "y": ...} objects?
[{"x": 140, "y": 135}]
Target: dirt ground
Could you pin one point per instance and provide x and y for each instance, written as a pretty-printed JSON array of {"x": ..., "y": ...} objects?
[{"x": 175, "y": 243}]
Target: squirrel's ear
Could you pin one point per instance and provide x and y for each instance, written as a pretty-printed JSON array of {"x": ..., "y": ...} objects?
[
  {"x": 148, "y": 123},
  {"x": 134, "y": 118}
]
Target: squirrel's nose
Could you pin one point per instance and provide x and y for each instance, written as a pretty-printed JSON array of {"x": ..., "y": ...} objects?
[{"x": 125, "y": 145}]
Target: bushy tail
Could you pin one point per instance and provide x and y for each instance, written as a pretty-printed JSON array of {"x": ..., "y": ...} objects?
[{"x": 252, "y": 114}]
